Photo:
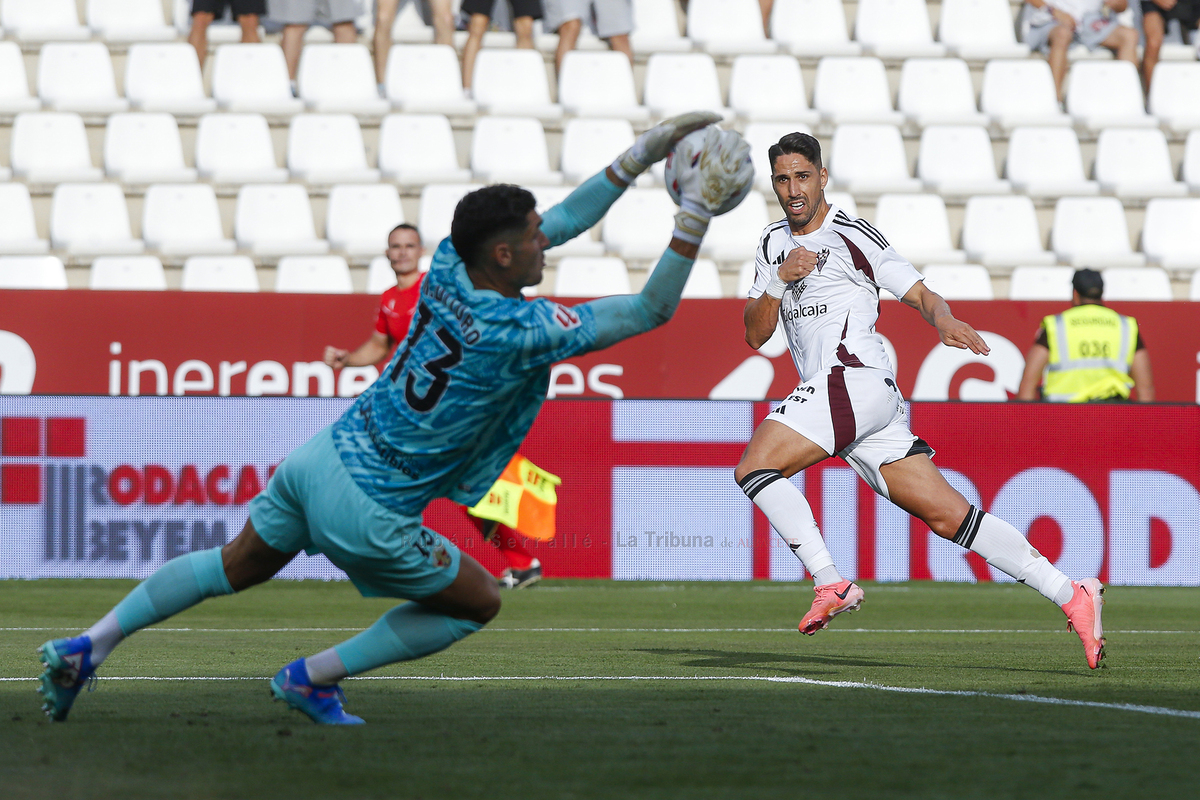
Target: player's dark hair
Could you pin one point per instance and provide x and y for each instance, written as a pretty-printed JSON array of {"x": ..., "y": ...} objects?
[
  {"x": 800, "y": 144},
  {"x": 485, "y": 213},
  {"x": 404, "y": 226}
]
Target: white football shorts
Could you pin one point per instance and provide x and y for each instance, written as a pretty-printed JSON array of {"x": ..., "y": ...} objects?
[{"x": 857, "y": 414}]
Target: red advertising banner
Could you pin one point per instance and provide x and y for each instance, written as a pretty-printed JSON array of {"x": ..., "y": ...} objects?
[{"x": 195, "y": 343}]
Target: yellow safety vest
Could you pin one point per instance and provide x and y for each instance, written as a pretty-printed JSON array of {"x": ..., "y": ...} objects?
[{"x": 1091, "y": 352}]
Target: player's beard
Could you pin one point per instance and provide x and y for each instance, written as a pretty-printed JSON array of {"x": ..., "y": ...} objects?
[{"x": 798, "y": 222}]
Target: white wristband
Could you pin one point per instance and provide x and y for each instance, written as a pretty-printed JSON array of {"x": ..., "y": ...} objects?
[{"x": 776, "y": 287}]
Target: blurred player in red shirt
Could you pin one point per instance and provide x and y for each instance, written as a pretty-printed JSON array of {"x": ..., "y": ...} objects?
[{"x": 396, "y": 308}]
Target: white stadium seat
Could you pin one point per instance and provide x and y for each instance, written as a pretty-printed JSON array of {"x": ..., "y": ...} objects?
[
  {"x": 854, "y": 90},
  {"x": 184, "y": 219},
  {"x": 380, "y": 275},
  {"x": 812, "y": 28},
  {"x": 129, "y": 20},
  {"x": 1105, "y": 94},
  {"x": 638, "y": 224},
  {"x": 917, "y": 226},
  {"x": 1041, "y": 283},
  {"x": 1092, "y": 232},
  {"x": 728, "y": 27},
  {"x": 676, "y": 83},
  {"x": 359, "y": 218},
  {"x": 959, "y": 281},
  {"x": 1021, "y": 92},
  {"x": 14, "y": 85},
  {"x": 18, "y": 231},
  {"x": 145, "y": 148},
  {"x": 746, "y": 274},
  {"x": 870, "y": 159},
  {"x": 50, "y": 147},
  {"x": 1003, "y": 232},
  {"x": 957, "y": 161},
  {"x": 590, "y": 145},
  {"x": 769, "y": 88},
  {"x": 236, "y": 148},
  {"x": 91, "y": 219},
  {"x": 137, "y": 273},
  {"x": 219, "y": 274},
  {"x": 166, "y": 77},
  {"x": 843, "y": 200},
  {"x": 1047, "y": 162},
  {"x": 979, "y": 30},
  {"x": 339, "y": 78},
  {"x": 599, "y": 85},
  {"x": 733, "y": 236},
  {"x": 1169, "y": 233},
  {"x": 253, "y": 77},
  {"x": 1135, "y": 163},
  {"x": 78, "y": 76},
  {"x": 896, "y": 29},
  {"x": 416, "y": 149},
  {"x": 1173, "y": 95},
  {"x": 437, "y": 209},
  {"x": 513, "y": 82},
  {"x": 32, "y": 272},
  {"x": 1136, "y": 283},
  {"x": 276, "y": 220},
  {"x": 328, "y": 148},
  {"x": 760, "y": 136},
  {"x": 704, "y": 281},
  {"x": 511, "y": 150},
  {"x": 1191, "y": 161},
  {"x": 657, "y": 28},
  {"x": 313, "y": 274},
  {"x": 591, "y": 277},
  {"x": 583, "y": 244},
  {"x": 938, "y": 91},
  {"x": 42, "y": 20},
  {"x": 1194, "y": 287},
  {"x": 426, "y": 78}
]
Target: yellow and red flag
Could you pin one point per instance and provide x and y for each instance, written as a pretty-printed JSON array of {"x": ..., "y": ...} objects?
[{"x": 523, "y": 499}]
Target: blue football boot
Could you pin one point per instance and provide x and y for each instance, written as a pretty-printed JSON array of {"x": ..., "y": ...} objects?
[
  {"x": 322, "y": 704},
  {"x": 68, "y": 667}
]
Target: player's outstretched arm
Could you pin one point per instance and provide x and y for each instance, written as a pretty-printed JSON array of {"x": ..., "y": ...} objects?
[
  {"x": 372, "y": 351},
  {"x": 585, "y": 206},
  {"x": 935, "y": 311},
  {"x": 724, "y": 171}
]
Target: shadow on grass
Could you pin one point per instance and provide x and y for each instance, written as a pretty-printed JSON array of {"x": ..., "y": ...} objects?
[{"x": 802, "y": 664}]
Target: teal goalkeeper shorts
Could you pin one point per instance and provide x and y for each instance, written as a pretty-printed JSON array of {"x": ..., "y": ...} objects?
[{"x": 312, "y": 504}]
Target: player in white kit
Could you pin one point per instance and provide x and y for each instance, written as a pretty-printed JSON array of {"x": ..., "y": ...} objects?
[{"x": 820, "y": 270}]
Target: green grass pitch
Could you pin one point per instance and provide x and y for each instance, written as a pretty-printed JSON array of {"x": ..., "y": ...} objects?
[{"x": 584, "y": 689}]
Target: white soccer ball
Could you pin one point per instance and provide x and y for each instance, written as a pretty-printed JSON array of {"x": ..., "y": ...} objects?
[{"x": 686, "y": 157}]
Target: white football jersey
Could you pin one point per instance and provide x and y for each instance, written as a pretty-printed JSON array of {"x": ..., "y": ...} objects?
[{"x": 829, "y": 317}]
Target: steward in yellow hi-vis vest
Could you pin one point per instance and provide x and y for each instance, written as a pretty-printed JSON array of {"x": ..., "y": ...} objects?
[{"x": 1088, "y": 353}]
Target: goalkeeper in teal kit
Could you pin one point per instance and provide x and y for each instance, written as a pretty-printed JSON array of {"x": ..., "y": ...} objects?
[{"x": 443, "y": 420}]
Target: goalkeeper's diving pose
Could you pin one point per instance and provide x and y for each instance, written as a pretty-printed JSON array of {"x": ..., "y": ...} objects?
[{"x": 443, "y": 420}]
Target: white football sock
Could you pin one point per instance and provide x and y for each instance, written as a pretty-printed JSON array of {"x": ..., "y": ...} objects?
[
  {"x": 325, "y": 667},
  {"x": 105, "y": 635},
  {"x": 792, "y": 516},
  {"x": 1004, "y": 548}
]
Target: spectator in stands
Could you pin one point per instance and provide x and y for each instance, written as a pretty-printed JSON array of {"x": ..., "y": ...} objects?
[
  {"x": 766, "y": 6},
  {"x": 204, "y": 12},
  {"x": 612, "y": 20},
  {"x": 437, "y": 12},
  {"x": 1093, "y": 353},
  {"x": 479, "y": 17},
  {"x": 297, "y": 15},
  {"x": 1052, "y": 26},
  {"x": 1155, "y": 15}
]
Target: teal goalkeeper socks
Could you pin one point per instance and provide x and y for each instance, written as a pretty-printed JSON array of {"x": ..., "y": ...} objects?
[
  {"x": 406, "y": 632},
  {"x": 177, "y": 585}
]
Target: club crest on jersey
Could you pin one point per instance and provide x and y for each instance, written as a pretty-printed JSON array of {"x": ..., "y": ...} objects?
[
  {"x": 822, "y": 257},
  {"x": 566, "y": 318}
]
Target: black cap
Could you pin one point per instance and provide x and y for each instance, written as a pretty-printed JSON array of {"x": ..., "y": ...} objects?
[{"x": 1088, "y": 283}]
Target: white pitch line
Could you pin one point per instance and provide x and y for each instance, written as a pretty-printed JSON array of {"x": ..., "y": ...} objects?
[
  {"x": 634, "y": 630},
  {"x": 1020, "y": 698}
]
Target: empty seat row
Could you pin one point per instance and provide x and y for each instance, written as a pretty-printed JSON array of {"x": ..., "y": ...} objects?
[
  {"x": 274, "y": 220},
  {"x": 426, "y": 79}
]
